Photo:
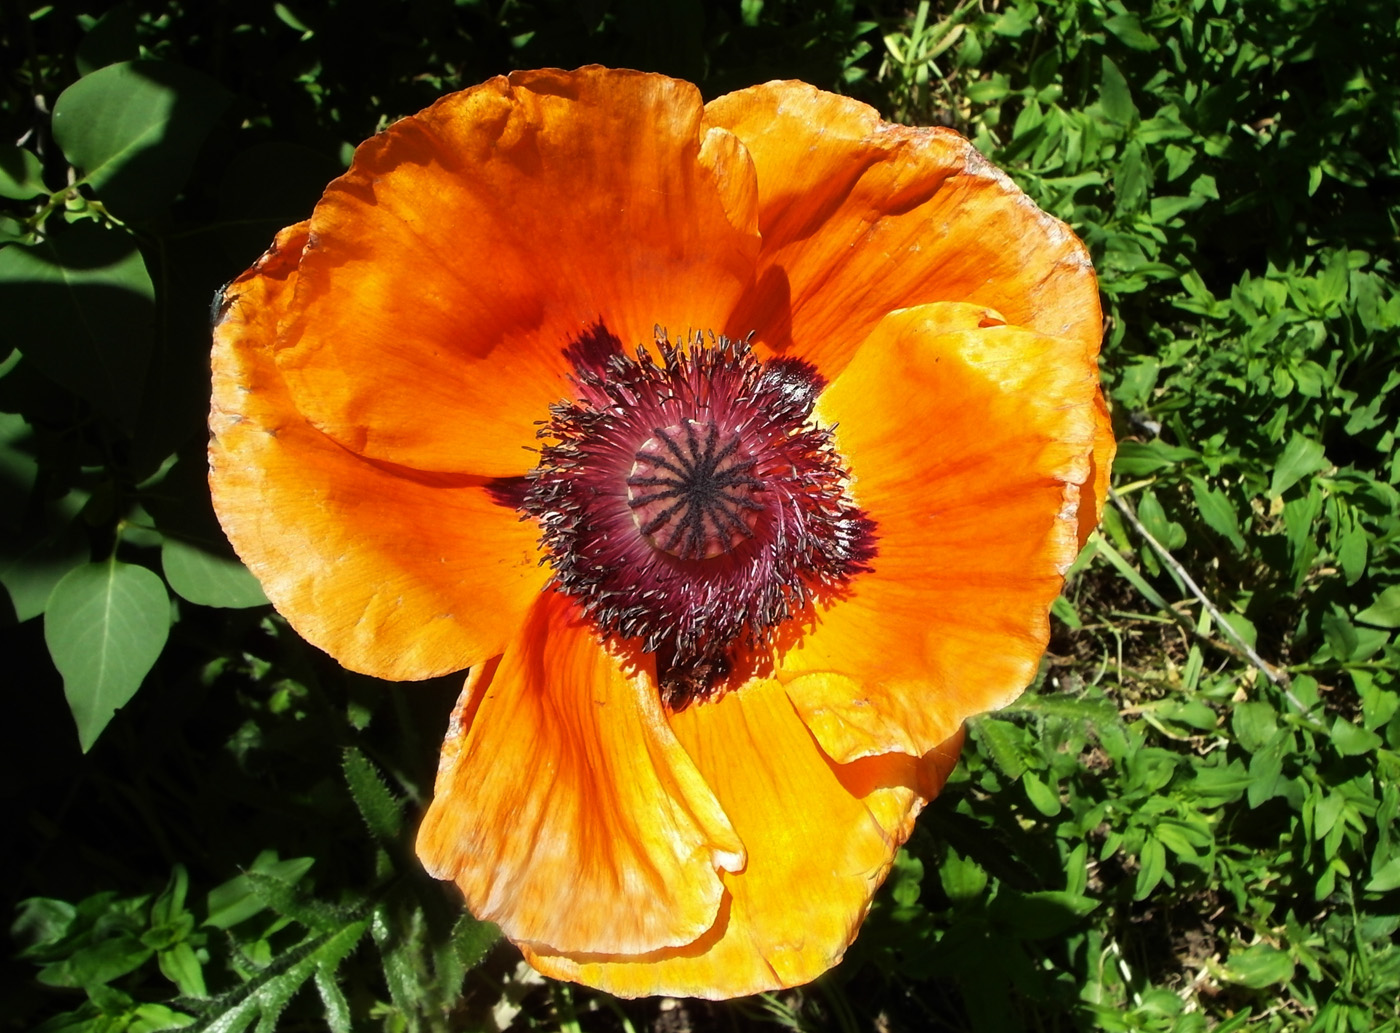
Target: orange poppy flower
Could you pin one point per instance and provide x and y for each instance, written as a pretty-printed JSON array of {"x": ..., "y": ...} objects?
[{"x": 726, "y": 596}]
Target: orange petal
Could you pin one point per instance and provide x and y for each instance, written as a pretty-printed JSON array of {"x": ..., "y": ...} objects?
[
  {"x": 565, "y": 808},
  {"x": 820, "y": 840},
  {"x": 967, "y": 442},
  {"x": 470, "y": 243},
  {"x": 396, "y": 575},
  {"x": 860, "y": 217}
]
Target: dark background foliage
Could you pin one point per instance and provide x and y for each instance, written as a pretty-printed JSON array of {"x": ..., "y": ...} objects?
[{"x": 1189, "y": 823}]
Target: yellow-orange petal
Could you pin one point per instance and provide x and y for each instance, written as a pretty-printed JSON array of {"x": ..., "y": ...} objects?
[
  {"x": 820, "y": 839},
  {"x": 469, "y": 244},
  {"x": 396, "y": 575},
  {"x": 967, "y": 442},
  {"x": 565, "y": 809},
  {"x": 860, "y": 217}
]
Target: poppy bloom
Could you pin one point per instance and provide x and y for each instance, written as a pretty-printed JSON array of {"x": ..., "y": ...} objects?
[{"x": 739, "y": 451}]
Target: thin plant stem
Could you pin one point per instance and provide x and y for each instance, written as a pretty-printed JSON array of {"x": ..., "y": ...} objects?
[{"x": 1275, "y": 674}]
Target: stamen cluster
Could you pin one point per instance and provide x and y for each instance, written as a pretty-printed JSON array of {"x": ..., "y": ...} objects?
[{"x": 687, "y": 500}]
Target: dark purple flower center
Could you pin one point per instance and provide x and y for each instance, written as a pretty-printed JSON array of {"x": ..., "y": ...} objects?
[
  {"x": 692, "y": 490},
  {"x": 688, "y": 501}
]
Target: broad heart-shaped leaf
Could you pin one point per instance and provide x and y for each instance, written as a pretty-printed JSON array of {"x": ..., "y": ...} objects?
[
  {"x": 133, "y": 129},
  {"x": 105, "y": 626},
  {"x": 81, "y": 308},
  {"x": 209, "y": 577}
]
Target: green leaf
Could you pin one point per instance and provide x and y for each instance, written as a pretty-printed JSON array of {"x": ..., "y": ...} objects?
[
  {"x": 1001, "y": 742},
  {"x": 906, "y": 881},
  {"x": 1042, "y": 798},
  {"x": 180, "y": 964},
  {"x": 101, "y": 944},
  {"x": 1138, "y": 459},
  {"x": 472, "y": 939},
  {"x": 1352, "y": 551},
  {"x": 1351, "y": 741},
  {"x": 1255, "y": 725},
  {"x": 107, "y": 958},
  {"x": 1301, "y": 457},
  {"x": 1340, "y": 633},
  {"x": 156, "y": 1018},
  {"x": 236, "y": 901},
  {"x": 1191, "y": 712},
  {"x": 286, "y": 899},
  {"x": 1153, "y": 859},
  {"x": 1114, "y": 96},
  {"x": 1063, "y": 610},
  {"x": 105, "y": 626},
  {"x": 1259, "y": 966},
  {"x": 81, "y": 308},
  {"x": 1384, "y": 612},
  {"x": 268, "y": 992},
  {"x": 383, "y": 814},
  {"x": 207, "y": 578},
  {"x": 41, "y": 923},
  {"x": 333, "y": 999},
  {"x": 1013, "y": 21},
  {"x": 170, "y": 905},
  {"x": 1387, "y": 878},
  {"x": 1135, "y": 579},
  {"x": 962, "y": 878},
  {"x": 1136, "y": 381},
  {"x": 290, "y": 20},
  {"x": 1165, "y": 208},
  {"x": 21, "y": 173},
  {"x": 133, "y": 130},
  {"x": 1131, "y": 178},
  {"x": 1169, "y": 534},
  {"x": 1129, "y": 31},
  {"x": 1216, "y": 511}
]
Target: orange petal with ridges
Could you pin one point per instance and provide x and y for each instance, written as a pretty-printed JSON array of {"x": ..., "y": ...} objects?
[
  {"x": 820, "y": 839},
  {"x": 396, "y": 575},
  {"x": 967, "y": 442},
  {"x": 860, "y": 217},
  {"x": 565, "y": 808},
  {"x": 470, "y": 243}
]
